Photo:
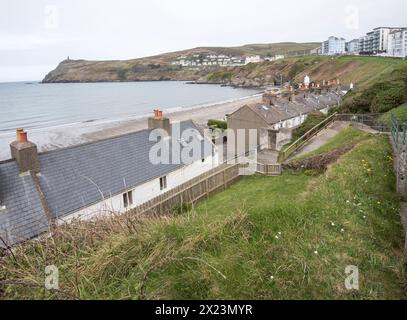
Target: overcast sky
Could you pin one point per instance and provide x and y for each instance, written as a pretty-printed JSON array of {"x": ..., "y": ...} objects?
[{"x": 36, "y": 35}]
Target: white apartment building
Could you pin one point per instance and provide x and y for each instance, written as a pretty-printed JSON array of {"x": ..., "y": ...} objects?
[
  {"x": 376, "y": 41},
  {"x": 397, "y": 43},
  {"x": 334, "y": 46},
  {"x": 352, "y": 47}
]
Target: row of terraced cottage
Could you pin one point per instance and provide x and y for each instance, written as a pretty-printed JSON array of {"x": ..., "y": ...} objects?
[{"x": 112, "y": 176}]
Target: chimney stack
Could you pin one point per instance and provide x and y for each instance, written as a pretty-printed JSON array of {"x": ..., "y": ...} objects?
[
  {"x": 158, "y": 121},
  {"x": 269, "y": 98},
  {"x": 25, "y": 153},
  {"x": 292, "y": 94}
]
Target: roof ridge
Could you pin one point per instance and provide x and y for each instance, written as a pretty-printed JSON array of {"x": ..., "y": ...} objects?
[{"x": 105, "y": 139}]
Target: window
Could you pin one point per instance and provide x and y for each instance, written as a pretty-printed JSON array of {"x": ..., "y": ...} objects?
[
  {"x": 128, "y": 199},
  {"x": 203, "y": 160},
  {"x": 163, "y": 183}
]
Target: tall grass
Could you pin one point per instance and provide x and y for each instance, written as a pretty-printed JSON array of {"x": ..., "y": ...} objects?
[{"x": 286, "y": 237}]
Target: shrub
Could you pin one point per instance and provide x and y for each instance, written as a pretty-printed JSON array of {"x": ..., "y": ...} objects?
[
  {"x": 297, "y": 68},
  {"x": 312, "y": 120},
  {"x": 388, "y": 98},
  {"x": 379, "y": 97},
  {"x": 219, "y": 124},
  {"x": 221, "y": 76}
]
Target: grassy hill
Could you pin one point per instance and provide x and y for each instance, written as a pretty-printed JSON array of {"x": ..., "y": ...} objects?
[
  {"x": 159, "y": 67},
  {"x": 286, "y": 237},
  {"x": 362, "y": 71},
  {"x": 400, "y": 112}
]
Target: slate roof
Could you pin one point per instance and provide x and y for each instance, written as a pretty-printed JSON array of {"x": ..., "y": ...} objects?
[
  {"x": 77, "y": 177},
  {"x": 284, "y": 109},
  {"x": 23, "y": 217}
]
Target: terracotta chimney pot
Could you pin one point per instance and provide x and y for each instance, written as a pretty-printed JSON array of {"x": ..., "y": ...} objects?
[
  {"x": 18, "y": 131},
  {"x": 23, "y": 137}
]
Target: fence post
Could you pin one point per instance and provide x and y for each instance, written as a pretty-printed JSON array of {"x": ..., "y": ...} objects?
[{"x": 402, "y": 172}]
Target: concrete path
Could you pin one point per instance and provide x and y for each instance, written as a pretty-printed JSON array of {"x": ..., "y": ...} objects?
[{"x": 322, "y": 137}]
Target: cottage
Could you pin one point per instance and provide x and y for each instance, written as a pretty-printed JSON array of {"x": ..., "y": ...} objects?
[
  {"x": 99, "y": 178},
  {"x": 280, "y": 113}
]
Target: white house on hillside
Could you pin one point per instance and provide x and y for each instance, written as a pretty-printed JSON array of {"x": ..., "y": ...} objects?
[{"x": 253, "y": 59}]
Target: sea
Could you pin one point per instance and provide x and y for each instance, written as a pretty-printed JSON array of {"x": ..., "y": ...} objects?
[{"x": 32, "y": 105}]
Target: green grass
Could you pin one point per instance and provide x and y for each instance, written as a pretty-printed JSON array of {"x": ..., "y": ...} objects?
[
  {"x": 400, "y": 112},
  {"x": 286, "y": 237},
  {"x": 347, "y": 136}
]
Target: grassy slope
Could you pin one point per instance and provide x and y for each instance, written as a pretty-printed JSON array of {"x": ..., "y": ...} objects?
[
  {"x": 400, "y": 112},
  {"x": 362, "y": 71},
  {"x": 347, "y": 136},
  {"x": 233, "y": 244}
]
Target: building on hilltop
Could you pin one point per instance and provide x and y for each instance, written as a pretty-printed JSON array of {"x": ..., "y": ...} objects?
[
  {"x": 253, "y": 59},
  {"x": 376, "y": 42},
  {"x": 397, "y": 43},
  {"x": 95, "y": 179},
  {"x": 352, "y": 47},
  {"x": 333, "y": 46}
]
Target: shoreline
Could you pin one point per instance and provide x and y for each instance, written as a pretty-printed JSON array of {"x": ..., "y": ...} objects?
[
  {"x": 68, "y": 135},
  {"x": 200, "y": 114}
]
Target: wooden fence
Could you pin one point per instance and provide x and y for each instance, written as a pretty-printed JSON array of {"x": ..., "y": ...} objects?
[
  {"x": 209, "y": 183},
  {"x": 269, "y": 169}
]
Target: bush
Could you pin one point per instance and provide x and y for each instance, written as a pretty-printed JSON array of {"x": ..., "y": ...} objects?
[
  {"x": 219, "y": 124},
  {"x": 297, "y": 68},
  {"x": 380, "y": 97},
  {"x": 221, "y": 76},
  {"x": 312, "y": 120},
  {"x": 388, "y": 98}
]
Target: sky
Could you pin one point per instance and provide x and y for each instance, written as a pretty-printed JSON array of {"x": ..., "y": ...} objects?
[{"x": 36, "y": 35}]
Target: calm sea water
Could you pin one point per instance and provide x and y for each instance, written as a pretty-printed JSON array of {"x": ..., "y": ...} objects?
[{"x": 34, "y": 105}]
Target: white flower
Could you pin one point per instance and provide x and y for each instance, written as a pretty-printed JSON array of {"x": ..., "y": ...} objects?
[
  {"x": 347, "y": 201},
  {"x": 271, "y": 278},
  {"x": 332, "y": 224},
  {"x": 279, "y": 233},
  {"x": 276, "y": 237},
  {"x": 342, "y": 230},
  {"x": 364, "y": 217},
  {"x": 316, "y": 252}
]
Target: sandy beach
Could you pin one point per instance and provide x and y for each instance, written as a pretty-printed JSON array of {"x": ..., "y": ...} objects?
[{"x": 74, "y": 134}]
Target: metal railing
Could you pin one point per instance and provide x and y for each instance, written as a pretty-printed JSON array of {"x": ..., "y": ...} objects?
[
  {"x": 398, "y": 131},
  {"x": 372, "y": 121},
  {"x": 287, "y": 152}
]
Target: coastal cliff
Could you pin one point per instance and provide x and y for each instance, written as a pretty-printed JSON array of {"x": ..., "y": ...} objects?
[
  {"x": 112, "y": 71},
  {"x": 161, "y": 67},
  {"x": 359, "y": 70}
]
